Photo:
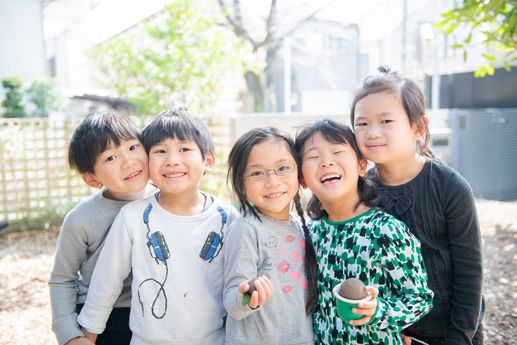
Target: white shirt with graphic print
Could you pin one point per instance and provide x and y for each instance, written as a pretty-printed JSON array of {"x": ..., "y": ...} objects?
[{"x": 189, "y": 308}]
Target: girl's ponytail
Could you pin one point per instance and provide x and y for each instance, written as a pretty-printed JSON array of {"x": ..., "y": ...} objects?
[
  {"x": 310, "y": 259},
  {"x": 368, "y": 192}
]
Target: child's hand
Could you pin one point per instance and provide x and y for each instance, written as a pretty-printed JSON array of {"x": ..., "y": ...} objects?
[
  {"x": 406, "y": 340},
  {"x": 366, "y": 308},
  {"x": 80, "y": 341},
  {"x": 92, "y": 337},
  {"x": 263, "y": 292}
]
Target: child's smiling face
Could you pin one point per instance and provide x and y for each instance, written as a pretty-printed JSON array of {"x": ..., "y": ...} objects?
[
  {"x": 271, "y": 194},
  {"x": 177, "y": 166},
  {"x": 382, "y": 129},
  {"x": 330, "y": 170},
  {"x": 121, "y": 169}
]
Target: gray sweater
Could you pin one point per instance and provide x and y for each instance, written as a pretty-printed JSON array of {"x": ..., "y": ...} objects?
[
  {"x": 79, "y": 244},
  {"x": 275, "y": 249}
]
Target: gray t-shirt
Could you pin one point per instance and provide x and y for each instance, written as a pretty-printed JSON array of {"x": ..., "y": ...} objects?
[
  {"x": 275, "y": 249},
  {"x": 79, "y": 244}
]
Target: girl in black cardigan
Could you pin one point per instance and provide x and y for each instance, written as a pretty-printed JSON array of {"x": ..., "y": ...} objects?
[{"x": 436, "y": 202}]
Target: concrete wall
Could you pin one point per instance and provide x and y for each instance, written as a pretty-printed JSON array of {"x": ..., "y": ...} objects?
[{"x": 21, "y": 40}]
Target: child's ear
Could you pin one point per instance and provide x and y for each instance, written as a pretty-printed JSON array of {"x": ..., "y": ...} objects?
[
  {"x": 363, "y": 165},
  {"x": 209, "y": 161},
  {"x": 91, "y": 180},
  {"x": 420, "y": 128}
]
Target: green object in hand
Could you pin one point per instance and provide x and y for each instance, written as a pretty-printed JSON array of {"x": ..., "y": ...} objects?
[{"x": 246, "y": 297}]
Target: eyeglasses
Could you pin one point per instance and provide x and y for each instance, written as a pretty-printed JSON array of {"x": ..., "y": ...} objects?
[{"x": 281, "y": 170}]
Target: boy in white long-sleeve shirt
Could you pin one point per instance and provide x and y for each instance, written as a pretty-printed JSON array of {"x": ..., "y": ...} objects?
[
  {"x": 106, "y": 151},
  {"x": 172, "y": 242}
]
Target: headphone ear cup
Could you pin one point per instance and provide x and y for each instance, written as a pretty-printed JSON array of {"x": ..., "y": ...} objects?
[{"x": 159, "y": 245}]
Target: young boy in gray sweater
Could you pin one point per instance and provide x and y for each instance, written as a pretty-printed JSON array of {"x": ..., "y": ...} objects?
[{"x": 106, "y": 151}]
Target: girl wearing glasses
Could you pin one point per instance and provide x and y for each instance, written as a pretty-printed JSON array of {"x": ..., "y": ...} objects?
[
  {"x": 268, "y": 244},
  {"x": 352, "y": 238}
]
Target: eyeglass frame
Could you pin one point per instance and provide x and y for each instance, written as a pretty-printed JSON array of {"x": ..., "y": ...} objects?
[{"x": 273, "y": 169}]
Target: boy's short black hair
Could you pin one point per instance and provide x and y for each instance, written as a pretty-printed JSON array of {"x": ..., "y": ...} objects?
[
  {"x": 178, "y": 123},
  {"x": 94, "y": 134}
]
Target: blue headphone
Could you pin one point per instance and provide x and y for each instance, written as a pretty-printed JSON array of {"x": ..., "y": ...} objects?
[{"x": 160, "y": 250}]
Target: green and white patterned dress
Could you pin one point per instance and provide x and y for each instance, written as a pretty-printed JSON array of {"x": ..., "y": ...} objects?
[{"x": 379, "y": 250}]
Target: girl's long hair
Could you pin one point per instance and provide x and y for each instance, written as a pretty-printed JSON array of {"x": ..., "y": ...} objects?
[
  {"x": 337, "y": 133},
  {"x": 237, "y": 162},
  {"x": 411, "y": 96}
]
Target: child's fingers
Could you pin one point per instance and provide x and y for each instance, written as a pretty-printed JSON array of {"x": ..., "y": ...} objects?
[
  {"x": 261, "y": 291},
  {"x": 254, "y": 301},
  {"x": 373, "y": 291},
  {"x": 367, "y": 308},
  {"x": 362, "y": 321},
  {"x": 406, "y": 340},
  {"x": 244, "y": 287},
  {"x": 268, "y": 287}
]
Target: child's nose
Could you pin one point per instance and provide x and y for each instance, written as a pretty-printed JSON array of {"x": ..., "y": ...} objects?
[
  {"x": 172, "y": 158},
  {"x": 326, "y": 162},
  {"x": 128, "y": 160},
  {"x": 271, "y": 179},
  {"x": 373, "y": 132}
]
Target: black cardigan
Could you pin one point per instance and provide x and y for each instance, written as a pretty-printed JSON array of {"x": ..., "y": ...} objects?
[{"x": 439, "y": 208}]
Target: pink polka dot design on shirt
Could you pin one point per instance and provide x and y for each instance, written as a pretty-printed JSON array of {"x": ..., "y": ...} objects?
[
  {"x": 287, "y": 288},
  {"x": 296, "y": 256},
  {"x": 283, "y": 266},
  {"x": 295, "y": 275}
]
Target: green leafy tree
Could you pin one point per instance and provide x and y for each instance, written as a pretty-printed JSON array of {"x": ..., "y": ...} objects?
[
  {"x": 182, "y": 55},
  {"x": 45, "y": 96},
  {"x": 12, "y": 102},
  {"x": 495, "y": 21}
]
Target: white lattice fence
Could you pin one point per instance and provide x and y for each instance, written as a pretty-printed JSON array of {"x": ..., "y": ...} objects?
[
  {"x": 35, "y": 181},
  {"x": 38, "y": 187}
]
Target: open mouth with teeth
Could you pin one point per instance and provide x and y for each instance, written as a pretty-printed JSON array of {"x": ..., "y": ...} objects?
[
  {"x": 175, "y": 174},
  {"x": 274, "y": 195},
  {"x": 330, "y": 178}
]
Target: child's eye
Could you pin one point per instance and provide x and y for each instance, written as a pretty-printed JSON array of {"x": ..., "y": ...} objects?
[
  {"x": 133, "y": 147},
  {"x": 311, "y": 157},
  {"x": 159, "y": 151},
  {"x": 184, "y": 149},
  {"x": 111, "y": 158},
  {"x": 284, "y": 169},
  {"x": 386, "y": 121},
  {"x": 338, "y": 152},
  {"x": 256, "y": 174}
]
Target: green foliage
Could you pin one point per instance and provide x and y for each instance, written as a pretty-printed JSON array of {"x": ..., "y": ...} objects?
[
  {"x": 495, "y": 21},
  {"x": 183, "y": 55},
  {"x": 45, "y": 96},
  {"x": 12, "y": 102}
]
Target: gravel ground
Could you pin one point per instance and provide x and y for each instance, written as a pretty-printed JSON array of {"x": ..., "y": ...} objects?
[{"x": 26, "y": 260}]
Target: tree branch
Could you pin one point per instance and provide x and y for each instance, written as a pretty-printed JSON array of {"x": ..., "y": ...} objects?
[
  {"x": 269, "y": 40},
  {"x": 236, "y": 23}
]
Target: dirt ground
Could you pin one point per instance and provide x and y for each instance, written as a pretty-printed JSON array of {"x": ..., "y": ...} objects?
[{"x": 26, "y": 260}]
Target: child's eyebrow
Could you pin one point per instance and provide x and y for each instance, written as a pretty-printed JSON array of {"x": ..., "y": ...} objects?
[
  {"x": 313, "y": 148},
  {"x": 275, "y": 163},
  {"x": 384, "y": 113}
]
